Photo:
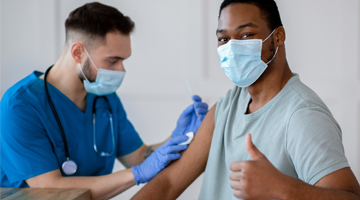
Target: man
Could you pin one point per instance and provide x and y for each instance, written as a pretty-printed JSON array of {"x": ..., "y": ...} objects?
[
  {"x": 298, "y": 153},
  {"x": 65, "y": 128}
]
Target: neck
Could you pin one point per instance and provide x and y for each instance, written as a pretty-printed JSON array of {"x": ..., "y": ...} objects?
[
  {"x": 63, "y": 75},
  {"x": 268, "y": 85}
]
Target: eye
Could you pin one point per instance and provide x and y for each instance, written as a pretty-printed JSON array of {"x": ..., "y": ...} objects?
[
  {"x": 223, "y": 39},
  {"x": 246, "y": 35},
  {"x": 112, "y": 61}
]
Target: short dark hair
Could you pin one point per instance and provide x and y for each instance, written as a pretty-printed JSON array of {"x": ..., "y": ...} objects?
[
  {"x": 95, "y": 20},
  {"x": 268, "y": 9}
]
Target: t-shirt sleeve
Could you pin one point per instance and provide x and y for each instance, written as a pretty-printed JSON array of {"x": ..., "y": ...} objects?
[
  {"x": 314, "y": 144},
  {"x": 26, "y": 150},
  {"x": 128, "y": 140}
]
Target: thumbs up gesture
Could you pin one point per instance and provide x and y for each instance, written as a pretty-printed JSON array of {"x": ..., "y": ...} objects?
[{"x": 257, "y": 178}]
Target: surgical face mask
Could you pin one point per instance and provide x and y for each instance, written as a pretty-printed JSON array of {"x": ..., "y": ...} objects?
[
  {"x": 241, "y": 60},
  {"x": 107, "y": 81}
]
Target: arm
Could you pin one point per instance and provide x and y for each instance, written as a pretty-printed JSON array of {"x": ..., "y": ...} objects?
[
  {"x": 147, "y": 161},
  {"x": 174, "y": 179},
  {"x": 138, "y": 156},
  {"x": 101, "y": 187},
  {"x": 259, "y": 179},
  {"x": 187, "y": 122},
  {"x": 341, "y": 184},
  {"x": 107, "y": 186}
]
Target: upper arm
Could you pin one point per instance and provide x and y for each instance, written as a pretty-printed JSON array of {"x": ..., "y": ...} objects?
[
  {"x": 314, "y": 144},
  {"x": 128, "y": 139},
  {"x": 343, "y": 179},
  {"x": 24, "y": 139},
  {"x": 175, "y": 178}
]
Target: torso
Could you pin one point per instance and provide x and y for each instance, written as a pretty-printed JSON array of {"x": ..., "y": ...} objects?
[{"x": 268, "y": 126}]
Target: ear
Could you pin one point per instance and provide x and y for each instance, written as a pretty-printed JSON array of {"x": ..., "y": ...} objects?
[
  {"x": 280, "y": 36},
  {"x": 77, "y": 52}
]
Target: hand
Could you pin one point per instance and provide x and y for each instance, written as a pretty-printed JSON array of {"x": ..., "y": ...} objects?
[
  {"x": 159, "y": 159},
  {"x": 257, "y": 178},
  {"x": 188, "y": 121}
]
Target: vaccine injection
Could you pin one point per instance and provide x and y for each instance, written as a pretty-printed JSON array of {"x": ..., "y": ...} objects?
[{"x": 187, "y": 82}]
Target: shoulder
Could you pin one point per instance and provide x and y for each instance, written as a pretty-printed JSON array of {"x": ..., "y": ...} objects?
[
  {"x": 224, "y": 102},
  {"x": 19, "y": 90},
  {"x": 230, "y": 95},
  {"x": 22, "y": 102},
  {"x": 297, "y": 102},
  {"x": 301, "y": 96},
  {"x": 311, "y": 119},
  {"x": 315, "y": 127}
]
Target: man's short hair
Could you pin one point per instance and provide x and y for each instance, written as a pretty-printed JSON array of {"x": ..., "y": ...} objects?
[
  {"x": 268, "y": 9},
  {"x": 95, "y": 20}
]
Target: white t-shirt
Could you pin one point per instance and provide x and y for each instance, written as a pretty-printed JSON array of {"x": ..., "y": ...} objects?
[{"x": 295, "y": 131}]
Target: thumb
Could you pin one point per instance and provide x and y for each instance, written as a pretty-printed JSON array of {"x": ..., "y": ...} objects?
[{"x": 251, "y": 148}]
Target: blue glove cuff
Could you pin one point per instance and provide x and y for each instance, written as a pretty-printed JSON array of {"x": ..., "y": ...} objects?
[{"x": 137, "y": 175}]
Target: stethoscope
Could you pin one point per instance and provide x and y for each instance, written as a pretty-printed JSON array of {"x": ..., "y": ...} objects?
[{"x": 69, "y": 167}]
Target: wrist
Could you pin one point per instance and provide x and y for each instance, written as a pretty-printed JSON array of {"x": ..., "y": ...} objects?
[
  {"x": 286, "y": 188},
  {"x": 137, "y": 174}
]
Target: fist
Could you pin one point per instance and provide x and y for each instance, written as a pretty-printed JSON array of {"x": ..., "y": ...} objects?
[
  {"x": 254, "y": 179},
  {"x": 188, "y": 120}
]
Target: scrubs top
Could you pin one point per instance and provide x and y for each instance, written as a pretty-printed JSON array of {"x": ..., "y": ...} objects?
[{"x": 31, "y": 141}]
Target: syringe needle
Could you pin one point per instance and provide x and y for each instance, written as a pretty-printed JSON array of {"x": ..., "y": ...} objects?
[{"x": 187, "y": 82}]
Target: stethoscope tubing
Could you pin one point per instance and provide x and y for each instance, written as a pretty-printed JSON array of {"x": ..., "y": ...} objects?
[
  {"x": 56, "y": 115},
  {"x": 69, "y": 167}
]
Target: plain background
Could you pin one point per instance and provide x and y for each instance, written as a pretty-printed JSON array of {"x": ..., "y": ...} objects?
[{"x": 175, "y": 40}]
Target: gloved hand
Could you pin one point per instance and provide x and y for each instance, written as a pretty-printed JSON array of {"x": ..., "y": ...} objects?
[
  {"x": 188, "y": 121},
  {"x": 159, "y": 159}
]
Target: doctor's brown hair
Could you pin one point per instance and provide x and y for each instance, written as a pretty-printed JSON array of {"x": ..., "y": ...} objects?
[{"x": 95, "y": 20}]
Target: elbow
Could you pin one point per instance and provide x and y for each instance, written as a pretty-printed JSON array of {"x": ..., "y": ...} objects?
[{"x": 44, "y": 181}]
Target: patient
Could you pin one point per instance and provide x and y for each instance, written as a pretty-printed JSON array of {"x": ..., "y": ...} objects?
[{"x": 295, "y": 148}]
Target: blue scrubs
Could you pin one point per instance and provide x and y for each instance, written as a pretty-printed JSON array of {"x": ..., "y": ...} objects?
[{"x": 31, "y": 142}]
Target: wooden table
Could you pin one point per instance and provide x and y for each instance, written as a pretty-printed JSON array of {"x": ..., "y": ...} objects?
[{"x": 44, "y": 194}]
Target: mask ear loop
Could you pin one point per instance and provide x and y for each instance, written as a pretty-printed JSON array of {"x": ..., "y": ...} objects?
[
  {"x": 82, "y": 71},
  {"x": 273, "y": 56},
  {"x": 276, "y": 47},
  {"x": 267, "y": 36},
  {"x": 90, "y": 58},
  {"x": 91, "y": 62}
]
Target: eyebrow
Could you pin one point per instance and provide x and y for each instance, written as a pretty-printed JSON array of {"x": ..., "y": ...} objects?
[
  {"x": 239, "y": 27},
  {"x": 116, "y": 57}
]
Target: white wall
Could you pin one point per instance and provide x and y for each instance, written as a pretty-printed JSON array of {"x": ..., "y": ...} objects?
[{"x": 175, "y": 40}]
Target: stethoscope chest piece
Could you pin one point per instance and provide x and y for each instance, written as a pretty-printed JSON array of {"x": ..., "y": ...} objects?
[{"x": 69, "y": 167}]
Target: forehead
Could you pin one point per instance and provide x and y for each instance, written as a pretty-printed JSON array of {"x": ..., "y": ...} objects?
[
  {"x": 238, "y": 14},
  {"x": 115, "y": 44}
]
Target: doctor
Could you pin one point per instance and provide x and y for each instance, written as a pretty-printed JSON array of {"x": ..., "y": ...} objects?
[{"x": 64, "y": 128}]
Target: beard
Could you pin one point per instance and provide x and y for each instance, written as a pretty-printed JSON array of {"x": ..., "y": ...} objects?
[
  {"x": 87, "y": 72},
  {"x": 272, "y": 50}
]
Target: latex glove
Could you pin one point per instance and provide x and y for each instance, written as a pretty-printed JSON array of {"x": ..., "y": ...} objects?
[
  {"x": 188, "y": 121},
  {"x": 159, "y": 159}
]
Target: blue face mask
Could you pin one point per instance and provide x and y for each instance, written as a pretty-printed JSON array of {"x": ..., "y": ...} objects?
[
  {"x": 107, "y": 81},
  {"x": 241, "y": 60}
]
